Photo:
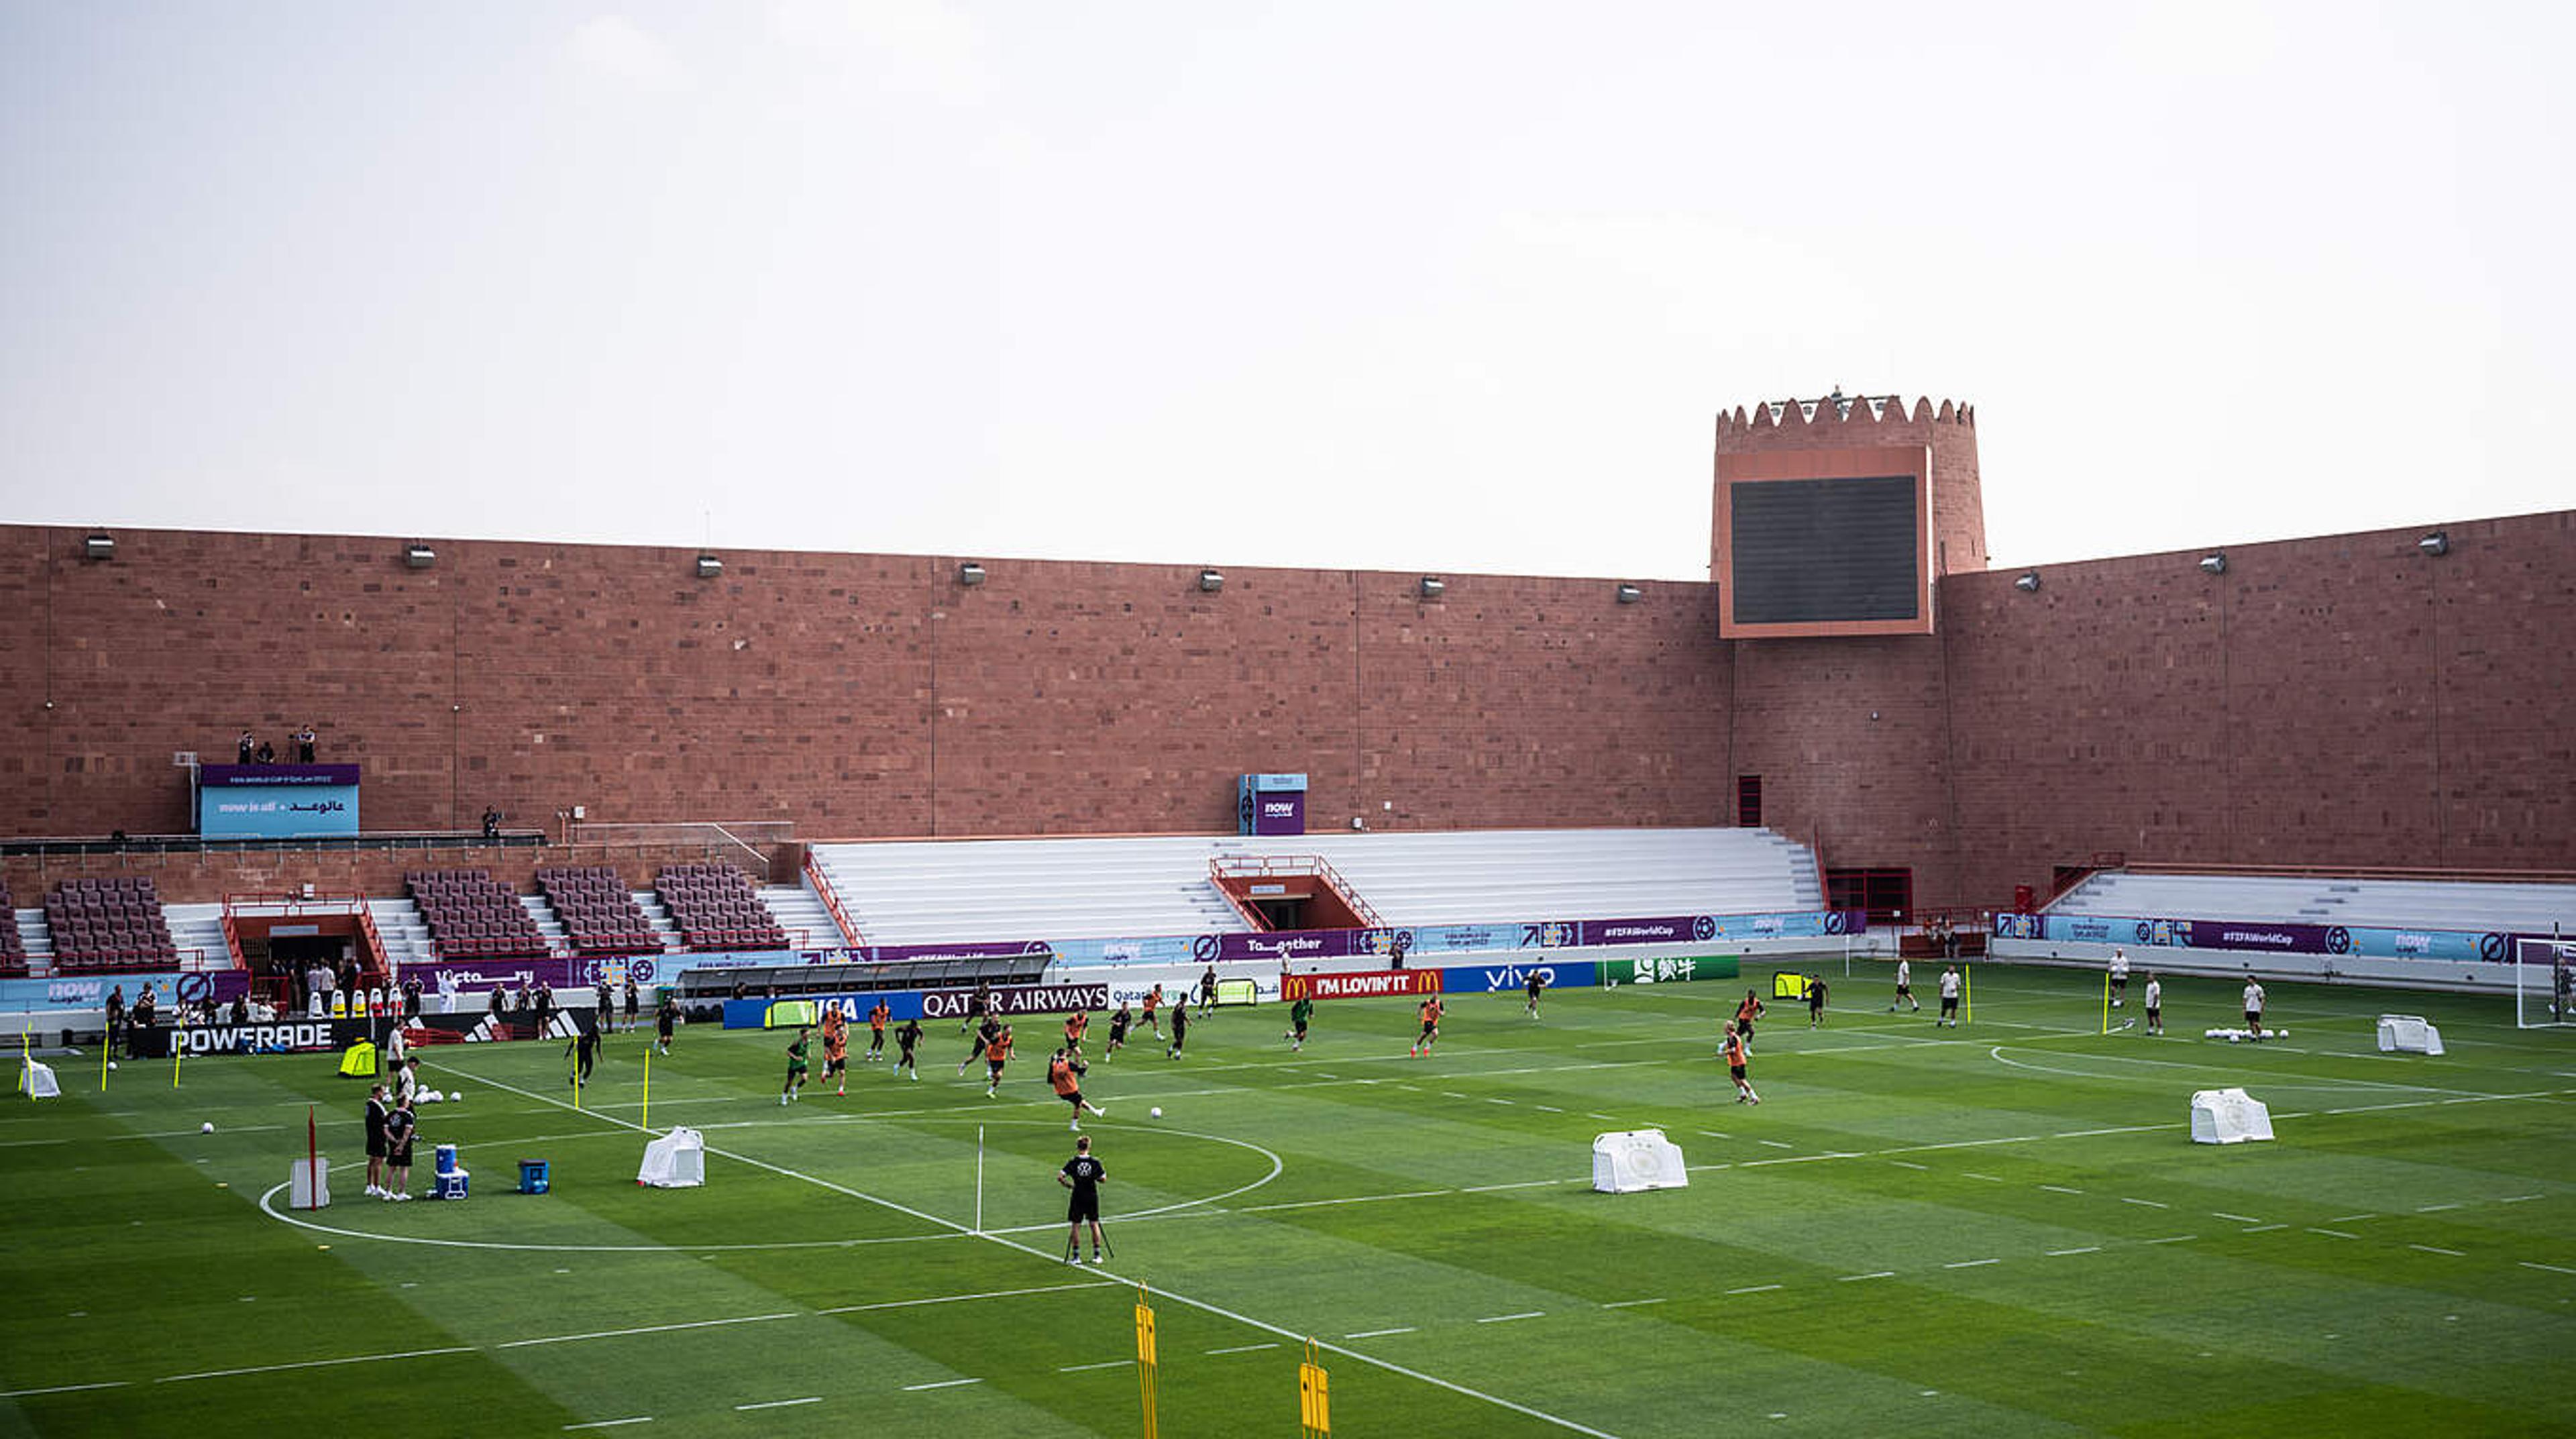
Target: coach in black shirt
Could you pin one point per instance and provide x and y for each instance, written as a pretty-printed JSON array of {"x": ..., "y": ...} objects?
[{"x": 1083, "y": 1175}]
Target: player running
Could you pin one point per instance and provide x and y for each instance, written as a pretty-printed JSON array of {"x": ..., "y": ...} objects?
[
  {"x": 1739, "y": 1052},
  {"x": 1207, "y": 991},
  {"x": 795, "y": 1064},
  {"x": 1180, "y": 1030},
  {"x": 1536, "y": 986},
  {"x": 1815, "y": 1002},
  {"x": 2119, "y": 978},
  {"x": 1949, "y": 996},
  {"x": 583, "y": 1051},
  {"x": 996, "y": 1054},
  {"x": 985, "y": 1034},
  {"x": 980, "y": 1007},
  {"x": 2155, "y": 1005},
  {"x": 1747, "y": 1012},
  {"x": 1298, "y": 1014},
  {"x": 1905, "y": 988},
  {"x": 1118, "y": 1030},
  {"x": 665, "y": 1019},
  {"x": 906, "y": 1037},
  {"x": 1076, "y": 1025},
  {"x": 1065, "y": 1074},
  {"x": 877, "y": 1018},
  {"x": 1430, "y": 1026},
  {"x": 1153, "y": 1004},
  {"x": 836, "y": 1048}
]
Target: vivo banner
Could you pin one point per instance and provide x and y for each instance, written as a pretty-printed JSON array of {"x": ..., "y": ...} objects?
[
  {"x": 1510, "y": 978},
  {"x": 276, "y": 801},
  {"x": 2265, "y": 937}
]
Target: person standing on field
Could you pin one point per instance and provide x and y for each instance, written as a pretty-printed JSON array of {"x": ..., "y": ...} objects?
[
  {"x": 1083, "y": 1175},
  {"x": 2253, "y": 1009},
  {"x": 1905, "y": 988},
  {"x": 1949, "y": 996},
  {"x": 2155, "y": 1005},
  {"x": 1738, "y": 1055},
  {"x": 2119, "y": 978}
]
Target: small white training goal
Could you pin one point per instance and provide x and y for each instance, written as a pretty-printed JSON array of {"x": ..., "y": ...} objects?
[
  {"x": 1629, "y": 1160},
  {"x": 2228, "y": 1116}
]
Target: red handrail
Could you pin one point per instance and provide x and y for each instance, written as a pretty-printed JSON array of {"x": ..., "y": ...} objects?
[
  {"x": 822, "y": 884},
  {"x": 1246, "y": 866}
]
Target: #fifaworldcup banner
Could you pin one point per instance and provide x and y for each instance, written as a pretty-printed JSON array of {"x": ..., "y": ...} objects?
[
  {"x": 1367, "y": 984},
  {"x": 2265, "y": 937}
]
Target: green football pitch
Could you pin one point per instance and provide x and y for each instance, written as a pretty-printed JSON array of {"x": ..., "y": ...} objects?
[{"x": 2001, "y": 1228}]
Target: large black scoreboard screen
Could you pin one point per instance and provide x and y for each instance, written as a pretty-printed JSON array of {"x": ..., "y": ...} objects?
[
  {"x": 1810, "y": 551},
  {"x": 1824, "y": 543}
]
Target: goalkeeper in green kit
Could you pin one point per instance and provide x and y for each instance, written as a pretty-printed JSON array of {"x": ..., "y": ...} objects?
[{"x": 1298, "y": 1013}]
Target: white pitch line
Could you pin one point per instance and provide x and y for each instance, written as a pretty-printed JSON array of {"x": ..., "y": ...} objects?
[
  {"x": 2239, "y": 1218},
  {"x": 2433, "y": 1208},
  {"x": 2332, "y": 1233},
  {"x": 611, "y": 1423},
  {"x": 1508, "y": 1318},
  {"x": 1970, "y": 1263},
  {"x": 1350, "y": 1199},
  {"x": 2522, "y": 1199},
  {"x": 963, "y": 1298},
  {"x": 1990, "y": 1179},
  {"x": 2171, "y": 1239},
  {"x": 1379, "y": 1333},
  {"x": 1754, "y": 1289},
  {"x": 942, "y": 1384},
  {"x": 645, "y": 1329},
  {"x": 1103, "y": 1364},
  {"x": 311, "y": 1364},
  {"x": 61, "y": 1389},
  {"x": 2085, "y": 1249},
  {"x": 1713, "y": 1134},
  {"x": 2060, "y": 1189},
  {"x": 2437, "y": 1249},
  {"x": 2552, "y": 1268},
  {"x": 1909, "y": 1164},
  {"x": 1245, "y": 1348},
  {"x": 1629, "y": 1303},
  {"x": 2263, "y": 1229},
  {"x": 2351, "y": 1218},
  {"x": 1853, "y": 1278},
  {"x": 777, "y": 1404},
  {"x": 1779, "y": 1144},
  {"x": 1516, "y": 1184},
  {"x": 2146, "y": 1203}
]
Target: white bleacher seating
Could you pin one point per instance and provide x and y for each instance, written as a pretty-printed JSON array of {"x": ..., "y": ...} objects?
[
  {"x": 2473, "y": 906},
  {"x": 918, "y": 892}
]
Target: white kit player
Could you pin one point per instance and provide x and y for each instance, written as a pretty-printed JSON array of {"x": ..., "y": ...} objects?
[
  {"x": 1949, "y": 996},
  {"x": 1905, "y": 987},
  {"x": 2155, "y": 1004},
  {"x": 2253, "y": 1009},
  {"x": 2119, "y": 978}
]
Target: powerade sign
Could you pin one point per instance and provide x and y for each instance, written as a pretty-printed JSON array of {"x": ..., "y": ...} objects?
[
  {"x": 276, "y": 801},
  {"x": 301, "y": 1036}
]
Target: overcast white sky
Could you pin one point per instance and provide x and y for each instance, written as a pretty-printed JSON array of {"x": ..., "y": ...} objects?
[{"x": 1451, "y": 287}]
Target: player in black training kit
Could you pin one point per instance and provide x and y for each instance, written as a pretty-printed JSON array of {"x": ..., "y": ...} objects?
[
  {"x": 1082, "y": 1174},
  {"x": 1118, "y": 1030},
  {"x": 906, "y": 1035},
  {"x": 985, "y": 1034}
]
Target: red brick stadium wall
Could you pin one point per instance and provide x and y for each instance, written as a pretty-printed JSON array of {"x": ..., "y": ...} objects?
[{"x": 2343, "y": 700}]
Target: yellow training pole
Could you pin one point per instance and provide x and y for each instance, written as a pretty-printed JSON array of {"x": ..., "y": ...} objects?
[
  {"x": 176, "y": 1049},
  {"x": 1146, "y": 1380},
  {"x": 2106, "y": 1003},
  {"x": 1967, "y": 994},
  {"x": 102, "y": 1066},
  {"x": 647, "y": 1124},
  {"x": 1314, "y": 1398}
]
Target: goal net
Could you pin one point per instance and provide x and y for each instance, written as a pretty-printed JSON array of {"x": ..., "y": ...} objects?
[{"x": 2544, "y": 971}]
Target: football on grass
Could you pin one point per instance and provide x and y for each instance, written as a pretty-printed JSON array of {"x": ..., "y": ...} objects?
[
  {"x": 1158, "y": 1112},
  {"x": 206, "y": 1128}
]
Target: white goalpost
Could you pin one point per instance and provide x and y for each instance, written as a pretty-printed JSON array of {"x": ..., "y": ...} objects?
[{"x": 2544, "y": 971}]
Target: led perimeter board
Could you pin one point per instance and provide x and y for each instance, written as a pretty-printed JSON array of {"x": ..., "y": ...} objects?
[{"x": 1824, "y": 542}]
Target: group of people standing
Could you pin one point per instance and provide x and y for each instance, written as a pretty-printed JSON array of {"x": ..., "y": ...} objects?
[{"x": 254, "y": 750}]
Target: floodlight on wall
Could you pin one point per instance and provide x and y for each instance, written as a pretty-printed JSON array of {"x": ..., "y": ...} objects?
[
  {"x": 1433, "y": 587},
  {"x": 2028, "y": 583},
  {"x": 2435, "y": 544},
  {"x": 99, "y": 547},
  {"x": 2215, "y": 563},
  {"x": 1630, "y": 594},
  {"x": 419, "y": 557},
  {"x": 1211, "y": 581},
  {"x": 709, "y": 567},
  {"x": 970, "y": 573}
]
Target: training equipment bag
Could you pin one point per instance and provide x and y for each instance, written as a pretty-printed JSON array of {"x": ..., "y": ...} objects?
[{"x": 1629, "y": 1160}]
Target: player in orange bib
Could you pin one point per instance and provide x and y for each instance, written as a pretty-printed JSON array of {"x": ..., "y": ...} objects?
[
  {"x": 1747, "y": 1012},
  {"x": 1430, "y": 1026},
  {"x": 836, "y": 1048},
  {"x": 1076, "y": 1025},
  {"x": 877, "y": 1018},
  {"x": 1153, "y": 1006},
  {"x": 996, "y": 1054},
  {"x": 1737, "y": 1054},
  {"x": 1067, "y": 1081}
]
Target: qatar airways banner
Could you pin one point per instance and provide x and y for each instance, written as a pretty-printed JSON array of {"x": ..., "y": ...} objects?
[{"x": 2265, "y": 937}]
